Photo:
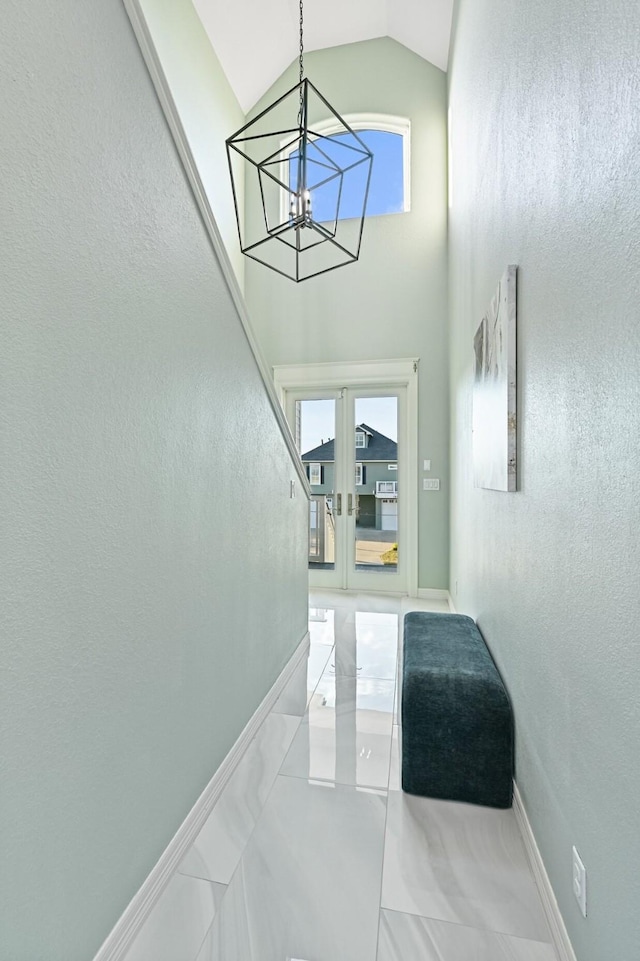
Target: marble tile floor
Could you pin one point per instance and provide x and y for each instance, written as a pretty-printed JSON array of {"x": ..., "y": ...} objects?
[{"x": 313, "y": 852}]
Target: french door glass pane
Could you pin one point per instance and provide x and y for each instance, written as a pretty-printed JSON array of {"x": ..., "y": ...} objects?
[
  {"x": 315, "y": 430},
  {"x": 376, "y": 484}
]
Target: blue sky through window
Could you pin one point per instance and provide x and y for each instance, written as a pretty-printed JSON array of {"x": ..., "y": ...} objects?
[
  {"x": 386, "y": 192},
  {"x": 317, "y": 420}
]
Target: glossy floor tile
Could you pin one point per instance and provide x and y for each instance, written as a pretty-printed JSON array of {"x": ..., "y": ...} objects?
[
  {"x": 219, "y": 846},
  {"x": 313, "y": 852},
  {"x": 394, "y": 771},
  {"x": 460, "y": 863},
  {"x": 175, "y": 929},
  {"x": 422, "y": 604},
  {"x": 366, "y": 645},
  {"x": 296, "y": 695},
  {"x": 329, "y": 600},
  {"x": 308, "y": 886},
  {"x": 378, "y": 603},
  {"x": 405, "y": 937},
  {"x": 374, "y": 603},
  {"x": 345, "y": 737},
  {"x": 345, "y": 600},
  {"x": 397, "y": 698},
  {"x": 322, "y": 625}
]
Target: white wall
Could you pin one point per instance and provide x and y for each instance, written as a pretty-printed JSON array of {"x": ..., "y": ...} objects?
[
  {"x": 545, "y": 128},
  {"x": 152, "y": 565},
  {"x": 393, "y": 302}
]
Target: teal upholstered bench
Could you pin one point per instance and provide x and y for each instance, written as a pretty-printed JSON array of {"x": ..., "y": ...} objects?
[{"x": 457, "y": 723}]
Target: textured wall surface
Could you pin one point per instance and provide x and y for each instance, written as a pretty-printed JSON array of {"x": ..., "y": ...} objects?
[
  {"x": 152, "y": 567},
  {"x": 207, "y": 105},
  {"x": 393, "y": 302},
  {"x": 545, "y": 128}
]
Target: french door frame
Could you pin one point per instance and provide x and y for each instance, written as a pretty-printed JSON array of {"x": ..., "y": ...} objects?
[{"x": 370, "y": 376}]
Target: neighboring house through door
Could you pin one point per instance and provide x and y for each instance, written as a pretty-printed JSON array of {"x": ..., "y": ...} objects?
[{"x": 376, "y": 477}]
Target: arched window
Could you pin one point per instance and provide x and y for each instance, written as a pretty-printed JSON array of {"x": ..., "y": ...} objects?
[{"x": 388, "y": 138}]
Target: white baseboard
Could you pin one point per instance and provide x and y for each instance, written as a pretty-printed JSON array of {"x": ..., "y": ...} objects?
[
  {"x": 432, "y": 594},
  {"x": 559, "y": 934},
  {"x": 137, "y": 911}
]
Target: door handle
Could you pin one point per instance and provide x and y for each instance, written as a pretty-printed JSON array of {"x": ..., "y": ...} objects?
[{"x": 338, "y": 505}]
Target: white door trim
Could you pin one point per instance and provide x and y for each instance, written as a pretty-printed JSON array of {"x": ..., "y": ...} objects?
[
  {"x": 370, "y": 373},
  {"x": 357, "y": 373}
]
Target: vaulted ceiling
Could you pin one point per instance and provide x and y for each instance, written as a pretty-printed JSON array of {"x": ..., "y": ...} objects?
[{"x": 256, "y": 40}]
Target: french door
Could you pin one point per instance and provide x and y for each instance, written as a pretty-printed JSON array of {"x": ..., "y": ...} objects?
[{"x": 355, "y": 445}]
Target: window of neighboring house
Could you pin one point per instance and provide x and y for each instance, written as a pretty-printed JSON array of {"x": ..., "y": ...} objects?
[
  {"x": 361, "y": 475},
  {"x": 392, "y": 466},
  {"x": 388, "y": 139},
  {"x": 386, "y": 487},
  {"x": 360, "y": 439},
  {"x": 315, "y": 474}
]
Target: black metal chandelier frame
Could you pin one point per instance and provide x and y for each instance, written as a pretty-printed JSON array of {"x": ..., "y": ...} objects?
[{"x": 292, "y": 221}]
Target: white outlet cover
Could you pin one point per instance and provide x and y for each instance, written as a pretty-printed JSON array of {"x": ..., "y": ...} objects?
[
  {"x": 427, "y": 465},
  {"x": 580, "y": 882}
]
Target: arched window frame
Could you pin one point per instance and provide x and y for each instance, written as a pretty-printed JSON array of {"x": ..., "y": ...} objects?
[{"x": 367, "y": 121}]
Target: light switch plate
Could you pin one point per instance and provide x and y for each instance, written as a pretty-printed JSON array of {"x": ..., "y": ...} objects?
[
  {"x": 427, "y": 465},
  {"x": 580, "y": 882},
  {"x": 430, "y": 484}
]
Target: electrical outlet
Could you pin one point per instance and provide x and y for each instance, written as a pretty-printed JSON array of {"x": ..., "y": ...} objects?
[
  {"x": 580, "y": 882},
  {"x": 427, "y": 465}
]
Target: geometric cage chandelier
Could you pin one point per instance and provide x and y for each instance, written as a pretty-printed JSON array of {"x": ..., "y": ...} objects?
[{"x": 306, "y": 176}]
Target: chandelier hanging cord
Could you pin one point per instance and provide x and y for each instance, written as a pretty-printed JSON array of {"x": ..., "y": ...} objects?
[
  {"x": 297, "y": 200},
  {"x": 301, "y": 63}
]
